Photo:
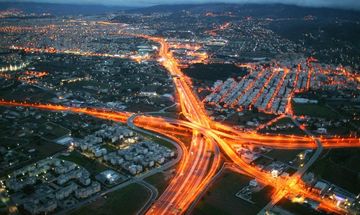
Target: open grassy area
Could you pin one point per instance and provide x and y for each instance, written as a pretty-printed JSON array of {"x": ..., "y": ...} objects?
[
  {"x": 235, "y": 119},
  {"x": 314, "y": 110},
  {"x": 283, "y": 154},
  {"x": 93, "y": 166},
  {"x": 204, "y": 208},
  {"x": 345, "y": 129},
  {"x": 340, "y": 162},
  {"x": 221, "y": 199},
  {"x": 168, "y": 114},
  {"x": 284, "y": 121},
  {"x": 159, "y": 181},
  {"x": 45, "y": 149},
  {"x": 53, "y": 131},
  {"x": 127, "y": 200},
  {"x": 290, "y": 131},
  {"x": 295, "y": 130},
  {"x": 213, "y": 72}
]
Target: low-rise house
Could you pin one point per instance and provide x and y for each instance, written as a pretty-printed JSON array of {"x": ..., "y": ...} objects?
[
  {"x": 66, "y": 191},
  {"x": 88, "y": 191},
  {"x": 40, "y": 206}
]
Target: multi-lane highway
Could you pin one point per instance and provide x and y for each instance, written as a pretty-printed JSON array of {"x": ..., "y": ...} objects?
[
  {"x": 195, "y": 113},
  {"x": 201, "y": 160},
  {"x": 204, "y": 158}
]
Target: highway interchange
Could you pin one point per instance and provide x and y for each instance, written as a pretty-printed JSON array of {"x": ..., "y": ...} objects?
[{"x": 211, "y": 143}]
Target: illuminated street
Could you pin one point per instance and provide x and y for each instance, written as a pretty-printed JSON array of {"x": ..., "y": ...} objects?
[
  {"x": 186, "y": 108},
  {"x": 198, "y": 166}
]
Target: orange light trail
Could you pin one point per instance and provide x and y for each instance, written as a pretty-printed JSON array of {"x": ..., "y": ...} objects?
[
  {"x": 199, "y": 144},
  {"x": 198, "y": 166}
]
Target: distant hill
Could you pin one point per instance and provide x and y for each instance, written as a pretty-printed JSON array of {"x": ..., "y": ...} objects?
[
  {"x": 255, "y": 10},
  {"x": 60, "y": 9}
]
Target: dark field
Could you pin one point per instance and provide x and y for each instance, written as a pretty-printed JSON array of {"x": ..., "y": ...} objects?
[
  {"x": 213, "y": 72},
  {"x": 124, "y": 201},
  {"x": 221, "y": 199},
  {"x": 343, "y": 162}
]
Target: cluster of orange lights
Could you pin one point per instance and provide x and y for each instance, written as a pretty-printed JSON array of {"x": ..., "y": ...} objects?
[
  {"x": 222, "y": 27},
  {"x": 52, "y": 50},
  {"x": 31, "y": 77},
  {"x": 16, "y": 29},
  {"x": 202, "y": 158},
  {"x": 192, "y": 50},
  {"x": 316, "y": 76}
]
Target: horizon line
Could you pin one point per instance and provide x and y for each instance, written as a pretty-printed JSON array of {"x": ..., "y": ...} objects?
[{"x": 139, "y": 5}]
